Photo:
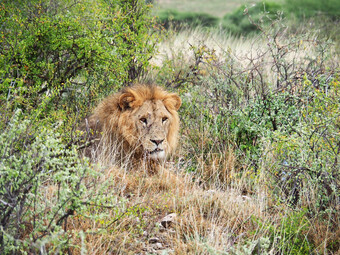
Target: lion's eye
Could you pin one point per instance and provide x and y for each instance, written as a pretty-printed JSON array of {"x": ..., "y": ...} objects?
[
  {"x": 143, "y": 120},
  {"x": 164, "y": 119}
]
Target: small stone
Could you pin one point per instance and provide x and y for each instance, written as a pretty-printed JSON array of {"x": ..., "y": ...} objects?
[
  {"x": 168, "y": 220},
  {"x": 158, "y": 246},
  {"x": 154, "y": 240},
  {"x": 246, "y": 197}
]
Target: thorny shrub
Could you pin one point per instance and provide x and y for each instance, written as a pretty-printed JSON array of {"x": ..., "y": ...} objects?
[
  {"x": 70, "y": 50},
  {"x": 307, "y": 154},
  {"x": 41, "y": 185},
  {"x": 270, "y": 116},
  {"x": 285, "y": 87},
  {"x": 57, "y": 58},
  {"x": 47, "y": 190}
]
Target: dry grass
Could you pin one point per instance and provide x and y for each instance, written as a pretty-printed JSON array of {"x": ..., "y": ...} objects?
[
  {"x": 128, "y": 216},
  {"x": 206, "y": 218},
  {"x": 209, "y": 217},
  {"x": 178, "y": 45},
  {"x": 260, "y": 53}
]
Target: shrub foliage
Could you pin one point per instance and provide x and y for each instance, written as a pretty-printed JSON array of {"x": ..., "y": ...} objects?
[
  {"x": 57, "y": 49},
  {"x": 41, "y": 185},
  {"x": 57, "y": 58},
  {"x": 282, "y": 123},
  {"x": 260, "y": 13}
]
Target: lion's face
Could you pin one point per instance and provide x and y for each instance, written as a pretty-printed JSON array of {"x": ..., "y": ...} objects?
[
  {"x": 140, "y": 120},
  {"x": 152, "y": 121},
  {"x": 148, "y": 121}
]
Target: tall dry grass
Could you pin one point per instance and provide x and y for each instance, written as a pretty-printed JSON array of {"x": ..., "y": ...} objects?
[{"x": 207, "y": 220}]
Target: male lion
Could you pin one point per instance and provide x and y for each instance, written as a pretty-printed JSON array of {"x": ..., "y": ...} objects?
[{"x": 138, "y": 124}]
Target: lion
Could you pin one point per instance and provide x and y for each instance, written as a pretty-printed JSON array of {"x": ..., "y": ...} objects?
[{"x": 139, "y": 123}]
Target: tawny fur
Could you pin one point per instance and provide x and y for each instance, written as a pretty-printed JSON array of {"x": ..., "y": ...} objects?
[{"x": 134, "y": 120}]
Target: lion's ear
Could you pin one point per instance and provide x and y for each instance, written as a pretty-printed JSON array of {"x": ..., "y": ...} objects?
[
  {"x": 174, "y": 101},
  {"x": 125, "y": 100}
]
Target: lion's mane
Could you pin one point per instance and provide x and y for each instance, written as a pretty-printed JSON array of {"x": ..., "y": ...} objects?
[{"x": 113, "y": 116}]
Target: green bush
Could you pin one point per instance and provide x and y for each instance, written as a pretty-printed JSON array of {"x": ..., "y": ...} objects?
[
  {"x": 57, "y": 59},
  {"x": 261, "y": 13},
  {"x": 311, "y": 8},
  {"x": 257, "y": 113},
  {"x": 58, "y": 50},
  {"x": 307, "y": 170},
  {"x": 176, "y": 19},
  {"x": 42, "y": 184}
]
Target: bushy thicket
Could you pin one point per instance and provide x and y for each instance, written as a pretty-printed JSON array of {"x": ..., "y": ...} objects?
[
  {"x": 293, "y": 109},
  {"x": 245, "y": 18},
  {"x": 311, "y": 8},
  {"x": 41, "y": 185},
  {"x": 64, "y": 51},
  {"x": 271, "y": 117},
  {"x": 238, "y": 22},
  {"x": 57, "y": 59}
]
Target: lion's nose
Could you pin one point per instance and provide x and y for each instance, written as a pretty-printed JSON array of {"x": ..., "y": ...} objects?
[{"x": 157, "y": 142}]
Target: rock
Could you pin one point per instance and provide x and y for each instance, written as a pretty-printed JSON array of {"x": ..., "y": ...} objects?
[
  {"x": 168, "y": 220},
  {"x": 246, "y": 197},
  {"x": 154, "y": 240},
  {"x": 158, "y": 246}
]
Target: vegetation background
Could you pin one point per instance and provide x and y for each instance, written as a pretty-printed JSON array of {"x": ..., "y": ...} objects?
[
  {"x": 257, "y": 169},
  {"x": 216, "y": 8}
]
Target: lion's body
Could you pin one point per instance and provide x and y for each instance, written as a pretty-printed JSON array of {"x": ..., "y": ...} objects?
[{"x": 140, "y": 121}]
